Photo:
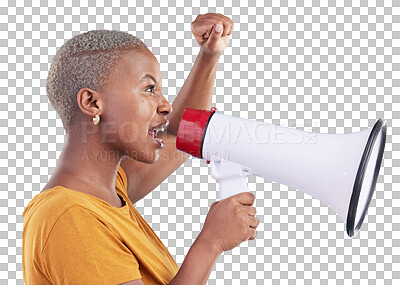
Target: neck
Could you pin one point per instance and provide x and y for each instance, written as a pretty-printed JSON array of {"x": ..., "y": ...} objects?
[{"x": 88, "y": 162}]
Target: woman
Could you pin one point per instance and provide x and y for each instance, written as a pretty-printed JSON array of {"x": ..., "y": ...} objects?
[{"x": 83, "y": 228}]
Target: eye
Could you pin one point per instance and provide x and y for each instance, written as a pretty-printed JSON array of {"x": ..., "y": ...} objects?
[{"x": 150, "y": 88}]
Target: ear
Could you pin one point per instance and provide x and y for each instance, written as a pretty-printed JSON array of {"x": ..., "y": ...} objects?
[{"x": 90, "y": 102}]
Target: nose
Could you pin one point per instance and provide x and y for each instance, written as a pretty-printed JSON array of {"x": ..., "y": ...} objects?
[{"x": 165, "y": 107}]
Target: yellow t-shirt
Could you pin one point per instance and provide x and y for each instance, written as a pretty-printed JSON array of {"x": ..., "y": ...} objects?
[{"x": 70, "y": 237}]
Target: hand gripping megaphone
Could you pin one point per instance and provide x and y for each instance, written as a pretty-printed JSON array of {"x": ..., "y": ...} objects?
[{"x": 340, "y": 170}]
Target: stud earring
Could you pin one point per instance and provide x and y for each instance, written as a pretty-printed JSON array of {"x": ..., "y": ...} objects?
[{"x": 96, "y": 119}]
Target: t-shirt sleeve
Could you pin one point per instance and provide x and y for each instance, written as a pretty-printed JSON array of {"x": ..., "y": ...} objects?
[{"x": 82, "y": 249}]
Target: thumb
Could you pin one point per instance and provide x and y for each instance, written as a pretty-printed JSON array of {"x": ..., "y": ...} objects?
[{"x": 215, "y": 35}]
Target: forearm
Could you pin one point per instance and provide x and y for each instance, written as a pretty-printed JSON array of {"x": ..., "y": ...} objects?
[
  {"x": 195, "y": 93},
  {"x": 197, "y": 266},
  {"x": 197, "y": 90}
]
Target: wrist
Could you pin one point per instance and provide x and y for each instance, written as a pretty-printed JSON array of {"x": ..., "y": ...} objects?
[
  {"x": 208, "y": 245},
  {"x": 198, "y": 263},
  {"x": 209, "y": 56}
]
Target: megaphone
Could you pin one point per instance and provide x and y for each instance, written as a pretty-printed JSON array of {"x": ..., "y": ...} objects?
[{"x": 340, "y": 170}]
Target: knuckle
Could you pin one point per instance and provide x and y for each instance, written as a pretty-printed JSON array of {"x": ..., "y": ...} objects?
[
  {"x": 256, "y": 222},
  {"x": 236, "y": 210},
  {"x": 231, "y": 201},
  {"x": 251, "y": 234},
  {"x": 244, "y": 230},
  {"x": 214, "y": 204}
]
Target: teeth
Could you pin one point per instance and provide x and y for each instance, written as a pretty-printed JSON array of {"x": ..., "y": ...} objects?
[
  {"x": 161, "y": 129},
  {"x": 161, "y": 142}
]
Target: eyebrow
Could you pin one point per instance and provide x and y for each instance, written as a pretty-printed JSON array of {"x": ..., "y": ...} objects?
[{"x": 149, "y": 76}]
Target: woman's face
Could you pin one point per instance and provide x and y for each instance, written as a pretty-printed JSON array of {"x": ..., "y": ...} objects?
[{"x": 134, "y": 107}]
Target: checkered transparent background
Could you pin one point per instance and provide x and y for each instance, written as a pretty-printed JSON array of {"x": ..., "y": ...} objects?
[{"x": 324, "y": 66}]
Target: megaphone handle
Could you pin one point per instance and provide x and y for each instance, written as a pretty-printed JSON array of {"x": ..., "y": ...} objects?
[
  {"x": 232, "y": 186},
  {"x": 231, "y": 177}
]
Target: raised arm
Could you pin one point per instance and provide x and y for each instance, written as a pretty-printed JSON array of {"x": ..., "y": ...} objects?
[{"x": 212, "y": 32}]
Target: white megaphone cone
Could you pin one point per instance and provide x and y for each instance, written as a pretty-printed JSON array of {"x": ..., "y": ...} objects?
[{"x": 339, "y": 170}]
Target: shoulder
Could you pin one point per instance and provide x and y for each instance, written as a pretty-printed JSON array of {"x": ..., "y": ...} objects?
[
  {"x": 81, "y": 248},
  {"x": 41, "y": 214},
  {"x": 43, "y": 211},
  {"x": 49, "y": 204}
]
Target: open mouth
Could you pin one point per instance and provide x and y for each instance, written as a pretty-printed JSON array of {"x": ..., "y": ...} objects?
[{"x": 153, "y": 133}]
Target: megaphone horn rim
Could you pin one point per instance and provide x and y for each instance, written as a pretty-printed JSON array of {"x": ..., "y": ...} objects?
[{"x": 379, "y": 126}]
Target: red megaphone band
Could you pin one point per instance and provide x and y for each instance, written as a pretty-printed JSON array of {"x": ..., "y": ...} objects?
[{"x": 191, "y": 130}]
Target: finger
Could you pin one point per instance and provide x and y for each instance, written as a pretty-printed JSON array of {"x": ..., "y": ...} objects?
[
  {"x": 251, "y": 211},
  {"x": 202, "y": 29},
  {"x": 226, "y": 28},
  {"x": 215, "y": 35},
  {"x": 199, "y": 16},
  {"x": 207, "y": 21},
  {"x": 215, "y": 18},
  {"x": 231, "y": 29},
  {"x": 228, "y": 23},
  {"x": 253, "y": 233},
  {"x": 245, "y": 198},
  {"x": 253, "y": 222}
]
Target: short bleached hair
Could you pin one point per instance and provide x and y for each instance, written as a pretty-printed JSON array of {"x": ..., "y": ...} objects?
[{"x": 87, "y": 60}]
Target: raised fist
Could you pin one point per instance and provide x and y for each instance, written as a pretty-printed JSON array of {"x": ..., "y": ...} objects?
[{"x": 212, "y": 32}]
